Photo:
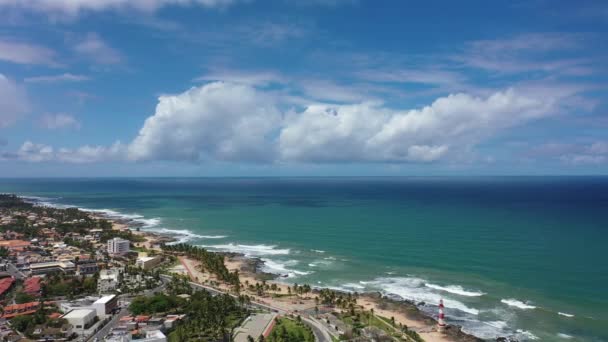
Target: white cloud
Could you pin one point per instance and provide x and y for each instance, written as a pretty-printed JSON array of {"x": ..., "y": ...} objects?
[
  {"x": 65, "y": 77},
  {"x": 33, "y": 152},
  {"x": 92, "y": 154},
  {"x": 59, "y": 121},
  {"x": 219, "y": 120},
  {"x": 527, "y": 52},
  {"x": 238, "y": 122},
  {"x": 75, "y": 7},
  {"x": 13, "y": 101},
  {"x": 583, "y": 159},
  {"x": 370, "y": 132},
  {"x": 96, "y": 49},
  {"x": 25, "y": 53},
  {"x": 252, "y": 78},
  {"x": 576, "y": 154}
]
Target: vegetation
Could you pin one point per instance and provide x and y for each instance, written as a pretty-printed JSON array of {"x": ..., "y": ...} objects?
[
  {"x": 28, "y": 323},
  {"x": 287, "y": 330},
  {"x": 22, "y": 297},
  {"x": 210, "y": 262},
  {"x": 155, "y": 304},
  {"x": 209, "y": 318},
  {"x": 339, "y": 299},
  {"x": 58, "y": 284}
]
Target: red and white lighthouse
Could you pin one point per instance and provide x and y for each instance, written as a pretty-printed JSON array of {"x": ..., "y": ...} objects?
[{"x": 441, "y": 319}]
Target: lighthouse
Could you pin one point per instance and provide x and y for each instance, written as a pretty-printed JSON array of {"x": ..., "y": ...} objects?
[{"x": 441, "y": 319}]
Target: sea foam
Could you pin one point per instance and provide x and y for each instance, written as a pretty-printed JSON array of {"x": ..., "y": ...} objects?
[
  {"x": 414, "y": 289},
  {"x": 282, "y": 267},
  {"x": 565, "y": 314},
  {"x": 250, "y": 250},
  {"x": 455, "y": 289},
  {"x": 518, "y": 304}
]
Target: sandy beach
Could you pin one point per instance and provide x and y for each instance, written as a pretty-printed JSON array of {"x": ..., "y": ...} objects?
[
  {"x": 294, "y": 304},
  {"x": 403, "y": 313}
]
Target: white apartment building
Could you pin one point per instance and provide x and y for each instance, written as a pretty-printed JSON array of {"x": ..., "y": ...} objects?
[{"x": 118, "y": 246}]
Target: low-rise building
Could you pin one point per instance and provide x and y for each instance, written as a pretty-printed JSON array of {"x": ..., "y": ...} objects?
[
  {"x": 105, "y": 305},
  {"x": 81, "y": 319},
  {"x": 31, "y": 286},
  {"x": 52, "y": 266},
  {"x": 148, "y": 262}
]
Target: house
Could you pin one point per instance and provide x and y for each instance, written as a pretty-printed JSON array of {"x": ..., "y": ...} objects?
[
  {"x": 31, "y": 286},
  {"x": 148, "y": 262}
]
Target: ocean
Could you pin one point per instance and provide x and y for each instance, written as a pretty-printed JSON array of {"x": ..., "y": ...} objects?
[{"x": 510, "y": 256}]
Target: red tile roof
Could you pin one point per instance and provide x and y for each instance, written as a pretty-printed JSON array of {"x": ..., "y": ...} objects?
[
  {"x": 6, "y": 284},
  {"x": 32, "y": 286}
]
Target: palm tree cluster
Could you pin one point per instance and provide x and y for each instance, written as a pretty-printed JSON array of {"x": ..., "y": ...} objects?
[
  {"x": 339, "y": 299},
  {"x": 209, "y": 318},
  {"x": 210, "y": 262},
  {"x": 301, "y": 289}
]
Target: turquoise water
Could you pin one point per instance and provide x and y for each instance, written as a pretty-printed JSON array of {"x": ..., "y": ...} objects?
[{"x": 508, "y": 255}]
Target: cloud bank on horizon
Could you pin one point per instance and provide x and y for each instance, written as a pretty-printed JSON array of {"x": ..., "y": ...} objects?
[{"x": 318, "y": 85}]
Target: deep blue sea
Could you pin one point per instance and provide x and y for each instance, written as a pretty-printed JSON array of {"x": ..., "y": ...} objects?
[{"x": 511, "y": 256}]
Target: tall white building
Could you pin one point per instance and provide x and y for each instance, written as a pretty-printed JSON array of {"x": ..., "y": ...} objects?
[{"x": 118, "y": 246}]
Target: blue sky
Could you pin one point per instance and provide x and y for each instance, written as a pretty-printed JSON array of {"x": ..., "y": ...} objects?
[{"x": 294, "y": 87}]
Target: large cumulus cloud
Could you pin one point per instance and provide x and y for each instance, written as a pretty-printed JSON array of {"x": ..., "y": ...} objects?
[
  {"x": 220, "y": 120},
  {"x": 238, "y": 122}
]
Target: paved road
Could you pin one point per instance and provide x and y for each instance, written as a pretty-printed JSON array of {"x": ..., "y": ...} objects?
[
  {"x": 320, "y": 332},
  {"x": 103, "y": 332},
  {"x": 12, "y": 270}
]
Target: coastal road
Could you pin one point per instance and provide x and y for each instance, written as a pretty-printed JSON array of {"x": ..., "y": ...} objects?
[{"x": 320, "y": 332}]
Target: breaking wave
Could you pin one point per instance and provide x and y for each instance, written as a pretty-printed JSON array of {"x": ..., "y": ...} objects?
[
  {"x": 517, "y": 304},
  {"x": 250, "y": 250},
  {"x": 282, "y": 268},
  {"x": 455, "y": 289}
]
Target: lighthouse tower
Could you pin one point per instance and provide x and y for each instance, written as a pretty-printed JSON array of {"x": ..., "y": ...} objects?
[{"x": 441, "y": 319}]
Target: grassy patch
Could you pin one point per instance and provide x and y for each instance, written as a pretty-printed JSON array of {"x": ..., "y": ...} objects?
[{"x": 287, "y": 330}]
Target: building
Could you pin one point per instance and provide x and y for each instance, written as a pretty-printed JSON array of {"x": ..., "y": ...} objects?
[
  {"x": 87, "y": 267},
  {"x": 108, "y": 280},
  {"x": 52, "y": 266},
  {"x": 118, "y": 246},
  {"x": 6, "y": 284},
  {"x": 81, "y": 319},
  {"x": 154, "y": 336},
  {"x": 105, "y": 305},
  {"x": 148, "y": 262},
  {"x": 31, "y": 286},
  {"x": 13, "y": 245},
  {"x": 15, "y": 310}
]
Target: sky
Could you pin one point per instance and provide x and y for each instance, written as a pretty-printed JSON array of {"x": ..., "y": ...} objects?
[{"x": 109, "y": 88}]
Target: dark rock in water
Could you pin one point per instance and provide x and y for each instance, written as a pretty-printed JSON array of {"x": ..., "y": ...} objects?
[{"x": 506, "y": 339}]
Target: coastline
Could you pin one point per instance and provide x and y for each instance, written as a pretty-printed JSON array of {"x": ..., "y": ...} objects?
[{"x": 250, "y": 271}]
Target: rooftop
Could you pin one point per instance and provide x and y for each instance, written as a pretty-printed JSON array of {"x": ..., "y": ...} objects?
[{"x": 104, "y": 299}]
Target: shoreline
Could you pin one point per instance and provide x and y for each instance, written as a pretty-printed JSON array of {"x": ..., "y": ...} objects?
[{"x": 250, "y": 272}]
